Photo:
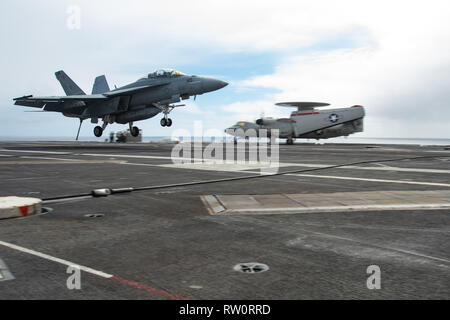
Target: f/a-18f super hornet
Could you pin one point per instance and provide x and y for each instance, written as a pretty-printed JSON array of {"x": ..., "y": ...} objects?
[
  {"x": 307, "y": 122},
  {"x": 140, "y": 100}
]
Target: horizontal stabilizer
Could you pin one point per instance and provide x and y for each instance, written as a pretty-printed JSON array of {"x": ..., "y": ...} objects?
[
  {"x": 25, "y": 101},
  {"x": 100, "y": 85},
  {"x": 39, "y": 102}
]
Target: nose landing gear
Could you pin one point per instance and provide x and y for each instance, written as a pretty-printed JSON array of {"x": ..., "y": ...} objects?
[{"x": 166, "y": 122}]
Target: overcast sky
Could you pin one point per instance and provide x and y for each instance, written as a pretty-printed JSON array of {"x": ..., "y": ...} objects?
[{"x": 390, "y": 56}]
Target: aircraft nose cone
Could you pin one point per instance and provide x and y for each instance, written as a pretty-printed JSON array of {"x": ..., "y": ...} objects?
[
  {"x": 230, "y": 130},
  {"x": 210, "y": 84},
  {"x": 222, "y": 84}
]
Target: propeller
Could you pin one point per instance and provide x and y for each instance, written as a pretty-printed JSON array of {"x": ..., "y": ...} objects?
[
  {"x": 260, "y": 121},
  {"x": 78, "y": 133}
]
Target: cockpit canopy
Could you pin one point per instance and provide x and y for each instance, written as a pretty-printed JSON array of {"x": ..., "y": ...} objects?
[
  {"x": 166, "y": 73},
  {"x": 241, "y": 124},
  {"x": 244, "y": 125}
]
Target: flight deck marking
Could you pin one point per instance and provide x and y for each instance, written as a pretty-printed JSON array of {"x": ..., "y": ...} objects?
[
  {"x": 139, "y": 164},
  {"x": 60, "y": 161},
  {"x": 91, "y": 271},
  {"x": 36, "y": 151},
  {"x": 5, "y": 274},
  {"x": 307, "y": 165},
  {"x": 408, "y": 252},
  {"x": 437, "y": 184},
  {"x": 48, "y": 158}
]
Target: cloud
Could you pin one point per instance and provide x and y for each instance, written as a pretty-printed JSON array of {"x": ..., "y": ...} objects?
[
  {"x": 391, "y": 56},
  {"x": 251, "y": 110},
  {"x": 190, "y": 108},
  {"x": 403, "y": 79}
]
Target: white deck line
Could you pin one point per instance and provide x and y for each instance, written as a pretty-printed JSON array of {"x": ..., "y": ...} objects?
[
  {"x": 284, "y": 164},
  {"x": 436, "y": 184},
  {"x": 54, "y": 259}
]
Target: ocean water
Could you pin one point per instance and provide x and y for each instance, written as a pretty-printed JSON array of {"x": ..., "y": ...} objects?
[{"x": 340, "y": 140}]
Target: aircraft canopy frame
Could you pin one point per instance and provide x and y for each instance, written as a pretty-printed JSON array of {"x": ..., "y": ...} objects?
[{"x": 172, "y": 73}]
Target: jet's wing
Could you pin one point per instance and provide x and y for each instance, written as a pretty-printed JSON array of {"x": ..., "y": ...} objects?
[
  {"x": 39, "y": 102},
  {"x": 127, "y": 91}
]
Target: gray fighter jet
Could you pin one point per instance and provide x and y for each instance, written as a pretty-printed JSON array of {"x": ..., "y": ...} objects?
[
  {"x": 306, "y": 122},
  {"x": 140, "y": 100}
]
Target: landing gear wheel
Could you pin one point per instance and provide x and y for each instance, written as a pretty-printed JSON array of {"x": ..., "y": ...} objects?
[
  {"x": 163, "y": 122},
  {"x": 134, "y": 131},
  {"x": 168, "y": 122},
  {"x": 98, "y": 131}
]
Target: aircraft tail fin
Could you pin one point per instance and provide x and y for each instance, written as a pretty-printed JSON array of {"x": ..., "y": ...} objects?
[
  {"x": 70, "y": 87},
  {"x": 100, "y": 85}
]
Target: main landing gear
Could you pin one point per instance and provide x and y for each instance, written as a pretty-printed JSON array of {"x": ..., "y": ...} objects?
[
  {"x": 98, "y": 131},
  {"x": 290, "y": 141},
  {"x": 134, "y": 131}
]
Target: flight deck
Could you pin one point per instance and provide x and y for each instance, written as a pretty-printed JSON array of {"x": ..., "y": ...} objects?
[{"x": 198, "y": 231}]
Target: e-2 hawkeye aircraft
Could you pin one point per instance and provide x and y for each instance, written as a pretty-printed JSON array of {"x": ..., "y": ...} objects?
[
  {"x": 307, "y": 122},
  {"x": 140, "y": 100}
]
